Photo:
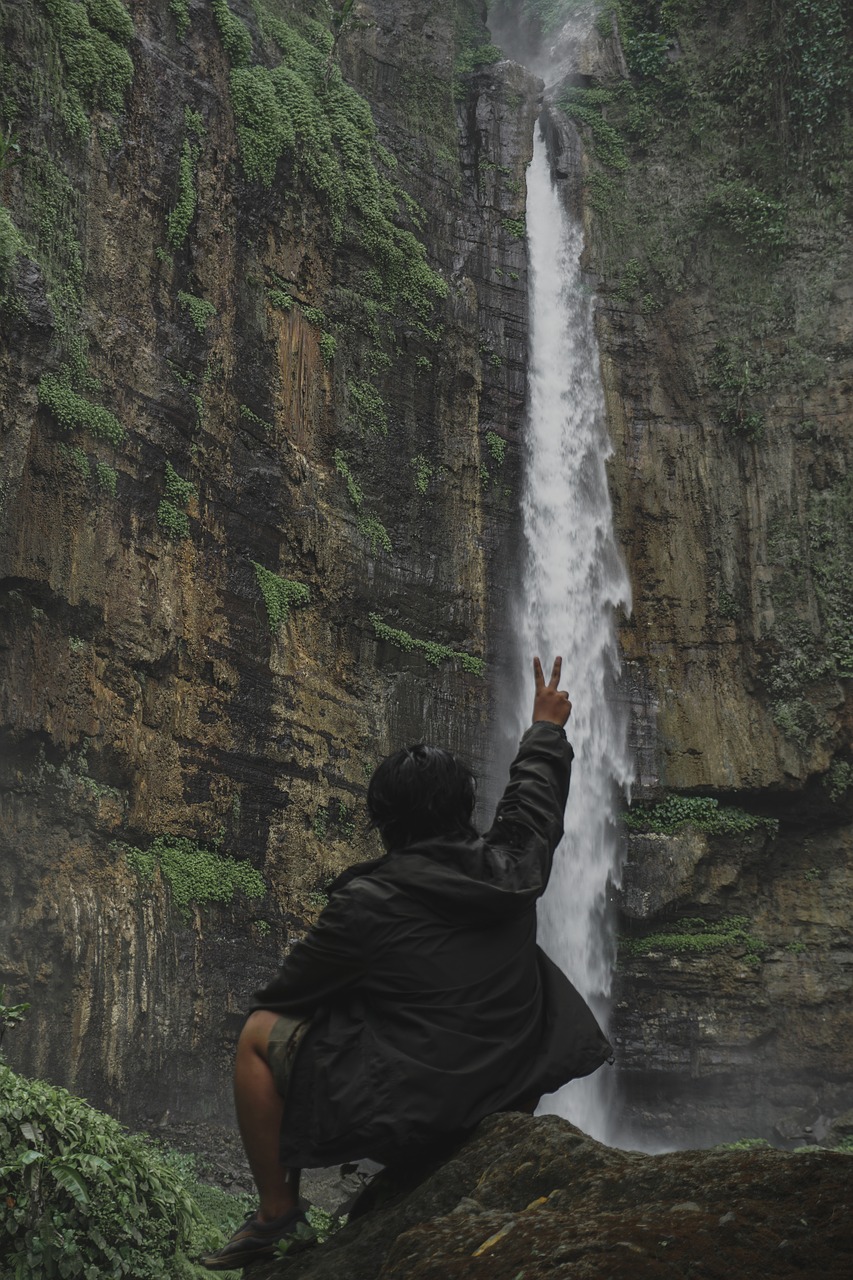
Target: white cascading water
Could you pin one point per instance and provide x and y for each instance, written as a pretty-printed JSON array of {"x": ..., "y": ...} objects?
[{"x": 574, "y": 581}]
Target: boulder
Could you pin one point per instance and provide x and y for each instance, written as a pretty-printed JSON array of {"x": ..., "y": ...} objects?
[{"x": 528, "y": 1197}]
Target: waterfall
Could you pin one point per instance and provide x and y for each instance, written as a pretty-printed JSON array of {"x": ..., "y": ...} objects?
[{"x": 574, "y": 579}]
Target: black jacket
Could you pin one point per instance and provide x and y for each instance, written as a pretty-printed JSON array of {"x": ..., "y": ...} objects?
[{"x": 431, "y": 1004}]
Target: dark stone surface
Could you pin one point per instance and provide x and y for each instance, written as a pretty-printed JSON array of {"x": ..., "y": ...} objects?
[{"x": 535, "y": 1197}]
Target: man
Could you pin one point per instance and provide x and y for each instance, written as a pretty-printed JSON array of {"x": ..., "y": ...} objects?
[{"x": 419, "y": 1003}]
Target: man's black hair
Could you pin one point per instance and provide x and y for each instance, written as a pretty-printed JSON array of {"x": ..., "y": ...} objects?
[{"x": 421, "y": 792}]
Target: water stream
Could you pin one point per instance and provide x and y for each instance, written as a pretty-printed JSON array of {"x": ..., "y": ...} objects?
[{"x": 573, "y": 583}]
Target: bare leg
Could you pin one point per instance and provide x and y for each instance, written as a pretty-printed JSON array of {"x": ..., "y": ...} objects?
[{"x": 259, "y": 1113}]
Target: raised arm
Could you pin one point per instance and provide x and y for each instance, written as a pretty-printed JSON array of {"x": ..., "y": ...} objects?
[{"x": 529, "y": 817}]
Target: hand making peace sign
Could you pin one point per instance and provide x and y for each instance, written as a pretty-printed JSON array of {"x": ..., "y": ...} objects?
[{"x": 549, "y": 702}]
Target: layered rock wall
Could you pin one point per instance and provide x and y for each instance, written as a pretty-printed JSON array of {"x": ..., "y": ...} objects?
[{"x": 252, "y": 493}]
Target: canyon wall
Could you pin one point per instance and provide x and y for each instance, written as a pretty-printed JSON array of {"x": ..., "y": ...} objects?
[
  {"x": 263, "y": 369},
  {"x": 263, "y": 325}
]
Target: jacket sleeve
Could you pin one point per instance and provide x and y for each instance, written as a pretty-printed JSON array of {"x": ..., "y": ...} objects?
[
  {"x": 329, "y": 961},
  {"x": 528, "y": 823}
]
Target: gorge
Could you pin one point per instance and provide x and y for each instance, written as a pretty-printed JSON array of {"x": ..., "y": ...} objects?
[{"x": 264, "y": 319}]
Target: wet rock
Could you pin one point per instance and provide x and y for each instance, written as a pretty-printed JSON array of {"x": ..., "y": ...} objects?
[{"x": 535, "y": 1197}]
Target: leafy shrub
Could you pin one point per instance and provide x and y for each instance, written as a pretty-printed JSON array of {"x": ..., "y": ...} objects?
[{"x": 84, "y": 1198}]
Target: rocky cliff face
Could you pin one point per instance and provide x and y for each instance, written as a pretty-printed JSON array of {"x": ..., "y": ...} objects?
[{"x": 263, "y": 366}]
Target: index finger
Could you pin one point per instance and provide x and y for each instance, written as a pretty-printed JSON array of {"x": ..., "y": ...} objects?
[{"x": 555, "y": 673}]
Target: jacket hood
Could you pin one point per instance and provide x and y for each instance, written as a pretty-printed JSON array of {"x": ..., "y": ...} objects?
[{"x": 456, "y": 879}]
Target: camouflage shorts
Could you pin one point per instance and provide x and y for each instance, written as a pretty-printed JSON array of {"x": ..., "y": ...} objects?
[{"x": 286, "y": 1036}]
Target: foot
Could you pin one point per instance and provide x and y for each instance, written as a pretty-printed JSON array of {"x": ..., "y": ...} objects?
[{"x": 256, "y": 1241}]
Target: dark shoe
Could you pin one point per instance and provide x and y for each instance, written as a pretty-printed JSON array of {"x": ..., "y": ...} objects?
[{"x": 259, "y": 1241}]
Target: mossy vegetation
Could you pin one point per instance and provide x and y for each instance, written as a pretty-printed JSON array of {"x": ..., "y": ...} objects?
[
  {"x": 195, "y": 875},
  {"x": 300, "y": 112},
  {"x": 199, "y": 310},
  {"x": 424, "y": 471},
  {"x": 12, "y": 244},
  {"x": 705, "y": 813},
  {"x": 179, "y": 219},
  {"x": 369, "y": 526},
  {"x": 367, "y": 411},
  {"x": 693, "y": 935},
  {"x": 180, "y": 11},
  {"x": 435, "y": 653},
  {"x": 92, "y": 37},
  {"x": 280, "y": 595},
  {"x": 496, "y": 446},
  {"x": 254, "y": 418},
  {"x": 171, "y": 512},
  {"x": 74, "y": 412}
]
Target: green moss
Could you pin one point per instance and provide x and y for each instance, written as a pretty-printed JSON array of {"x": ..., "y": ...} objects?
[
  {"x": 12, "y": 244},
  {"x": 236, "y": 40},
  {"x": 328, "y": 348},
  {"x": 180, "y": 11},
  {"x": 702, "y": 812},
  {"x": 496, "y": 447},
  {"x": 179, "y": 219},
  {"x": 196, "y": 876},
  {"x": 73, "y": 412},
  {"x": 280, "y": 595},
  {"x": 839, "y": 779},
  {"x": 171, "y": 513},
  {"x": 107, "y": 477},
  {"x": 354, "y": 491},
  {"x": 301, "y": 112},
  {"x": 177, "y": 489},
  {"x": 250, "y": 416},
  {"x": 516, "y": 227},
  {"x": 424, "y": 471},
  {"x": 696, "y": 936},
  {"x": 481, "y": 55},
  {"x": 278, "y": 298},
  {"x": 78, "y": 459},
  {"x": 366, "y": 408},
  {"x": 371, "y": 528},
  {"x": 434, "y": 652},
  {"x": 586, "y": 106},
  {"x": 92, "y": 36},
  {"x": 175, "y": 521},
  {"x": 755, "y": 220},
  {"x": 50, "y": 214},
  {"x": 199, "y": 309}
]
